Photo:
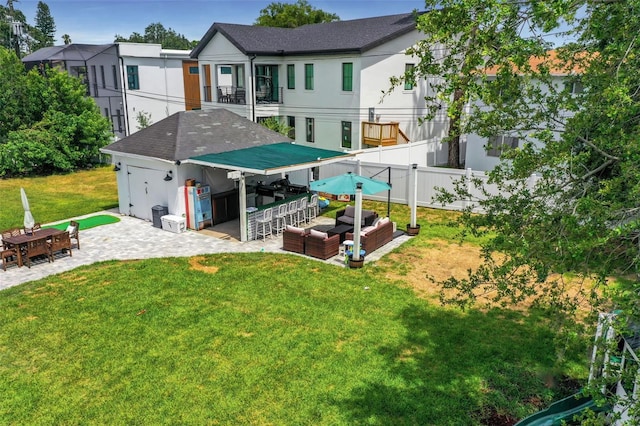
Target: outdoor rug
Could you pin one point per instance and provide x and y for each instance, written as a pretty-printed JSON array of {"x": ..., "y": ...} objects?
[{"x": 88, "y": 222}]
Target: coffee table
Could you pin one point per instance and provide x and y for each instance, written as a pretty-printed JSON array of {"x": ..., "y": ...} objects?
[{"x": 340, "y": 230}]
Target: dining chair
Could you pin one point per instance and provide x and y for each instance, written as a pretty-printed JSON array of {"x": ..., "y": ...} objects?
[
  {"x": 60, "y": 243},
  {"x": 74, "y": 232},
  {"x": 263, "y": 225},
  {"x": 37, "y": 247},
  {"x": 9, "y": 257}
]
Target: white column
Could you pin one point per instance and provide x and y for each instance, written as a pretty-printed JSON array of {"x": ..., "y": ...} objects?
[
  {"x": 356, "y": 222},
  {"x": 243, "y": 208},
  {"x": 414, "y": 195}
]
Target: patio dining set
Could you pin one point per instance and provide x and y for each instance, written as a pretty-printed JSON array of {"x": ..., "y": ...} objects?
[{"x": 23, "y": 245}]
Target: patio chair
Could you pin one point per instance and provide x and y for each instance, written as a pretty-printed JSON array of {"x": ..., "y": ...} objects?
[
  {"x": 36, "y": 226},
  {"x": 13, "y": 232},
  {"x": 312, "y": 208},
  {"x": 293, "y": 239},
  {"x": 60, "y": 243},
  {"x": 263, "y": 225},
  {"x": 320, "y": 245},
  {"x": 281, "y": 219},
  {"x": 74, "y": 232},
  {"x": 36, "y": 248},
  {"x": 9, "y": 257}
]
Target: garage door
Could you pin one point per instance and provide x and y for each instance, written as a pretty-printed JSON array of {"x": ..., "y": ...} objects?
[{"x": 147, "y": 188}]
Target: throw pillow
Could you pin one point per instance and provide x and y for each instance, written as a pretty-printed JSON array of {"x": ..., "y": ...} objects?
[
  {"x": 70, "y": 229},
  {"x": 295, "y": 229},
  {"x": 375, "y": 221},
  {"x": 383, "y": 221},
  {"x": 366, "y": 229},
  {"x": 318, "y": 234}
]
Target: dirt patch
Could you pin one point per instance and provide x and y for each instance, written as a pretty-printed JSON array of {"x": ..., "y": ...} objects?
[{"x": 196, "y": 264}]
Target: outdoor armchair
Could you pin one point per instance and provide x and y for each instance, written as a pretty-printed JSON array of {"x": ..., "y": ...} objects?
[
  {"x": 346, "y": 216},
  {"x": 320, "y": 245},
  {"x": 293, "y": 239}
]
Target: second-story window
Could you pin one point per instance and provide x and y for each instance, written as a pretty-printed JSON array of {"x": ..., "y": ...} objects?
[
  {"x": 94, "y": 76},
  {"x": 497, "y": 144},
  {"x": 408, "y": 83},
  {"x": 104, "y": 82},
  {"x": 347, "y": 77},
  {"x": 133, "y": 80},
  {"x": 308, "y": 76},
  {"x": 114, "y": 71},
  {"x": 291, "y": 122},
  {"x": 291, "y": 76},
  {"x": 310, "y": 130}
]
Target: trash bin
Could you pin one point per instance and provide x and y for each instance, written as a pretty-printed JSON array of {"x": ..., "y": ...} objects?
[{"x": 156, "y": 213}]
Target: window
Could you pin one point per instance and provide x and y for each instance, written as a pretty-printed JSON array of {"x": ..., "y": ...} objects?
[
  {"x": 132, "y": 77},
  {"x": 291, "y": 76},
  {"x": 114, "y": 71},
  {"x": 104, "y": 82},
  {"x": 498, "y": 143},
  {"x": 310, "y": 130},
  {"x": 291, "y": 122},
  {"x": 94, "y": 76},
  {"x": 346, "y": 134},
  {"x": 194, "y": 70},
  {"x": 308, "y": 76},
  {"x": 347, "y": 77},
  {"x": 408, "y": 76},
  {"x": 119, "y": 118},
  {"x": 574, "y": 87}
]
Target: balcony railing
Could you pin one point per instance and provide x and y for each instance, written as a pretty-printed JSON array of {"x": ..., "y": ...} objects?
[
  {"x": 267, "y": 95},
  {"x": 231, "y": 95},
  {"x": 382, "y": 134}
]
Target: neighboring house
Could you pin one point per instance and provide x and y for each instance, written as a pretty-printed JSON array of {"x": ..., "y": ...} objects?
[
  {"x": 152, "y": 165},
  {"x": 483, "y": 154},
  {"x": 325, "y": 81},
  {"x": 126, "y": 79}
]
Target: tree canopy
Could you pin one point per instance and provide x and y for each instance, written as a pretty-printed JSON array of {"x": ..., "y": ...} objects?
[
  {"x": 157, "y": 33},
  {"x": 47, "y": 123},
  {"x": 292, "y": 15},
  {"x": 45, "y": 27}
]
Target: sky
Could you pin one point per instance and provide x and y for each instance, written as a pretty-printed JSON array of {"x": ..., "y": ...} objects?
[{"x": 98, "y": 21}]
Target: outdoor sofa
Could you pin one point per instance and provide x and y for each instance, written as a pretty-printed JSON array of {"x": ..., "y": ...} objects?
[
  {"x": 319, "y": 244},
  {"x": 346, "y": 216},
  {"x": 375, "y": 236},
  {"x": 293, "y": 239}
]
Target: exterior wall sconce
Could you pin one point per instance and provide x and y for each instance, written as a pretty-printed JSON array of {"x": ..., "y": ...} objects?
[
  {"x": 169, "y": 176},
  {"x": 116, "y": 167}
]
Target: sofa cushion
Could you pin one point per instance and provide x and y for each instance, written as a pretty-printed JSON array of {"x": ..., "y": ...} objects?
[
  {"x": 366, "y": 229},
  {"x": 317, "y": 234},
  {"x": 350, "y": 211},
  {"x": 375, "y": 221},
  {"x": 295, "y": 229},
  {"x": 383, "y": 221},
  {"x": 346, "y": 219}
]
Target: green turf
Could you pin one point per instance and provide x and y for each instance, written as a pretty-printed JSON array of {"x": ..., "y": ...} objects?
[{"x": 89, "y": 222}]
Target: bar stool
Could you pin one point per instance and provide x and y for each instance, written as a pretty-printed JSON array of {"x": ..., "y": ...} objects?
[
  {"x": 292, "y": 213},
  {"x": 265, "y": 223},
  {"x": 312, "y": 208},
  {"x": 281, "y": 218},
  {"x": 302, "y": 210}
]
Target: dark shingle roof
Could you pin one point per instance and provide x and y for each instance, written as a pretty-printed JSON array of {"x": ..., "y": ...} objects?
[
  {"x": 69, "y": 52},
  {"x": 189, "y": 133},
  {"x": 358, "y": 35}
]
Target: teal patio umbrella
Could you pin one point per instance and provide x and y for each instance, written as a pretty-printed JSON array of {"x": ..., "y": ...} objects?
[{"x": 346, "y": 184}]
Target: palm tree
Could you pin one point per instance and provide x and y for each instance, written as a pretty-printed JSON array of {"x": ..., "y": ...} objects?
[{"x": 66, "y": 38}]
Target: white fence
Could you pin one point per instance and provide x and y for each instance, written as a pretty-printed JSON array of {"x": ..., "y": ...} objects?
[{"x": 429, "y": 179}]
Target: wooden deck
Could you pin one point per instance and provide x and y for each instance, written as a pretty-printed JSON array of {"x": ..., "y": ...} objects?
[{"x": 382, "y": 134}]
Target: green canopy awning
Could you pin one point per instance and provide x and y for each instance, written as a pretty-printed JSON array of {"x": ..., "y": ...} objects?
[{"x": 271, "y": 158}]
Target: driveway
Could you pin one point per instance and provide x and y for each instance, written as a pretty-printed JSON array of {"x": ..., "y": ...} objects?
[{"x": 133, "y": 238}]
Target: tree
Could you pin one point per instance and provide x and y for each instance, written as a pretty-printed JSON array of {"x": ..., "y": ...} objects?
[
  {"x": 45, "y": 28},
  {"x": 156, "y": 33},
  {"x": 292, "y": 15},
  {"x": 276, "y": 124},
  {"x": 66, "y": 38},
  {"x": 47, "y": 123}
]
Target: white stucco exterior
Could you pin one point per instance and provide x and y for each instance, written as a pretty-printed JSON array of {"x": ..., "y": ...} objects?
[
  {"x": 327, "y": 104},
  {"x": 161, "y": 84}
]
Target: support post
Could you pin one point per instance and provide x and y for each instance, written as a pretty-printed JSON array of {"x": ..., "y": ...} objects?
[
  {"x": 243, "y": 208},
  {"x": 356, "y": 222}
]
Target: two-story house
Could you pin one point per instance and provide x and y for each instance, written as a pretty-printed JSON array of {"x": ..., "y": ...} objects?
[
  {"x": 128, "y": 79},
  {"x": 325, "y": 81}
]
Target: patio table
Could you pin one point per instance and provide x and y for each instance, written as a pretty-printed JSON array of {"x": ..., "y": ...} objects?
[{"x": 19, "y": 241}]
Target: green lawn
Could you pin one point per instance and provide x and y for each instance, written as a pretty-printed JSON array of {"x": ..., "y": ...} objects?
[{"x": 264, "y": 339}]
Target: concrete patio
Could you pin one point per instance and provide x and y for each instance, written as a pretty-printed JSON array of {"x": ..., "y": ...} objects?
[{"x": 133, "y": 238}]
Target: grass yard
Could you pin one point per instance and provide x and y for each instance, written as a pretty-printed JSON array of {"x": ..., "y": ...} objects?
[
  {"x": 265, "y": 338},
  {"x": 258, "y": 339},
  {"x": 58, "y": 197}
]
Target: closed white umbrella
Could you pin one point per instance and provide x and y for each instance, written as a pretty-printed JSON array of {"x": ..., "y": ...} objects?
[{"x": 28, "y": 217}]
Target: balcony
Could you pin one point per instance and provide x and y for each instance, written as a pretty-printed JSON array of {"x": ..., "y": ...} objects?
[
  {"x": 231, "y": 95},
  {"x": 382, "y": 134}
]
